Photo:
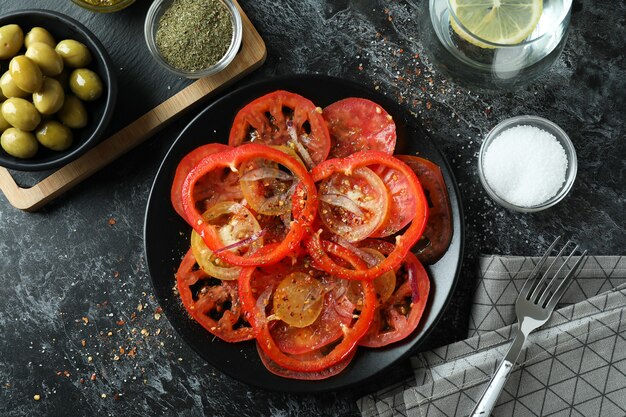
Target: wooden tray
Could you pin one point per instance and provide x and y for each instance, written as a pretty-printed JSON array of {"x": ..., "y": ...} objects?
[{"x": 251, "y": 55}]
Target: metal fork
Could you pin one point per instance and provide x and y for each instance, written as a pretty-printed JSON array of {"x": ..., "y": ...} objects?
[{"x": 533, "y": 307}]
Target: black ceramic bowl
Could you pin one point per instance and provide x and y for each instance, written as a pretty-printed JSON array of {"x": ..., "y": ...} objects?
[{"x": 100, "y": 111}]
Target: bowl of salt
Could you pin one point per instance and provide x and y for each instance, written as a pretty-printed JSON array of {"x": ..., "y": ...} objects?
[{"x": 527, "y": 164}]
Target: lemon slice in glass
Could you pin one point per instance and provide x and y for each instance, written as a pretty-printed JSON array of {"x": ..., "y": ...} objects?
[{"x": 506, "y": 22}]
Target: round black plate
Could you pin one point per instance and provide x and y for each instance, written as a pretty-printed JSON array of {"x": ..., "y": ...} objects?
[{"x": 167, "y": 237}]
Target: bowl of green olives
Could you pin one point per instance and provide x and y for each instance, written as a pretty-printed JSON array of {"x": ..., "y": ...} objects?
[{"x": 57, "y": 90}]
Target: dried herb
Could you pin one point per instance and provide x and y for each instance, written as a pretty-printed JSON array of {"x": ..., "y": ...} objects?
[{"x": 194, "y": 34}]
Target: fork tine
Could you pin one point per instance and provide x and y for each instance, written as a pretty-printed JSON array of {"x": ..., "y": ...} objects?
[
  {"x": 555, "y": 277},
  {"x": 565, "y": 283},
  {"x": 537, "y": 292},
  {"x": 528, "y": 285}
]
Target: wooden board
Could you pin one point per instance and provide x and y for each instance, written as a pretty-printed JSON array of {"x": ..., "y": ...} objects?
[{"x": 251, "y": 55}]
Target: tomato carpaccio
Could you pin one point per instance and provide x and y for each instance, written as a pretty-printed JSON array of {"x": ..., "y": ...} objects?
[{"x": 302, "y": 231}]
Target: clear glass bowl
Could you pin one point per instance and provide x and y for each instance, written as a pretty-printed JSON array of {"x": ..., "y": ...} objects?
[
  {"x": 155, "y": 12},
  {"x": 104, "y": 9},
  {"x": 559, "y": 134}
]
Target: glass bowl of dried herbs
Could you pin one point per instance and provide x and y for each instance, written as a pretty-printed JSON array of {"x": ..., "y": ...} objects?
[{"x": 193, "y": 38}]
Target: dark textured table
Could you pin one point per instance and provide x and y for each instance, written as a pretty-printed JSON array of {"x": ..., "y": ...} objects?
[{"x": 78, "y": 323}]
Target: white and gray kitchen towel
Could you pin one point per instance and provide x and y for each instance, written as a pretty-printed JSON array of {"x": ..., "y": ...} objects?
[{"x": 574, "y": 365}]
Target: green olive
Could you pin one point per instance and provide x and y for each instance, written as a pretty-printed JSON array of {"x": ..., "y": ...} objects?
[
  {"x": 38, "y": 34},
  {"x": 53, "y": 135},
  {"x": 21, "y": 113},
  {"x": 74, "y": 53},
  {"x": 8, "y": 87},
  {"x": 50, "y": 97},
  {"x": 85, "y": 84},
  {"x": 4, "y": 125},
  {"x": 46, "y": 57},
  {"x": 18, "y": 143},
  {"x": 11, "y": 41},
  {"x": 25, "y": 73},
  {"x": 73, "y": 113}
]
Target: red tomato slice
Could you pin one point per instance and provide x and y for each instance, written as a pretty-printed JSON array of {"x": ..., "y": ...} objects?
[
  {"x": 213, "y": 303},
  {"x": 304, "y": 202},
  {"x": 284, "y": 118},
  {"x": 256, "y": 307},
  {"x": 207, "y": 188},
  {"x": 337, "y": 310},
  {"x": 353, "y": 205},
  {"x": 399, "y": 316},
  {"x": 333, "y": 370},
  {"x": 403, "y": 203},
  {"x": 438, "y": 232},
  {"x": 358, "y": 124},
  {"x": 336, "y": 313},
  {"x": 404, "y": 242}
]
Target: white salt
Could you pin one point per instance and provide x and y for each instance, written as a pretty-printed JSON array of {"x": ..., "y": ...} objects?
[{"x": 525, "y": 165}]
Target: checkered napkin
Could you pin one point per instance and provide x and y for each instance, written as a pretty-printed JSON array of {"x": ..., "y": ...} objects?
[{"x": 574, "y": 365}]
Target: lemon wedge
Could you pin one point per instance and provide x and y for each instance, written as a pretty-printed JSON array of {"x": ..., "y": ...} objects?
[{"x": 506, "y": 22}]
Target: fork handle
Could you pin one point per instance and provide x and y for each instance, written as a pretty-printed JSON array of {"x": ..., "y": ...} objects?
[{"x": 490, "y": 396}]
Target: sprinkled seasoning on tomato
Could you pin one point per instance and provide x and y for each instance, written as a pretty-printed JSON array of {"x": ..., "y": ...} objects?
[
  {"x": 256, "y": 306},
  {"x": 284, "y": 118},
  {"x": 358, "y": 124},
  {"x": 398, "y": 316},
  {"x": 304, "y": 200},
  {"x": 403, "y": 242},
  {"x": 214, "y": 304}
]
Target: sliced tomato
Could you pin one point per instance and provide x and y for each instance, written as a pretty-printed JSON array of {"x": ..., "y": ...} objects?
[
  {"x": 438, "y": 232},
  {"x": 403, "y": 203},
  {"x": 266, "y": 188},
  {"x": 399, "y": 316},
  {"x": 326, "y": 327},
  {"x": 333, "y": 370},
  {"x": 204, "y": 185},
  {"x": 336, "y": 313},
  {"x": 353, "y": 205},
  {"x": 234, "y": 224},
  {"x": 358, "y": 124},
  {"x": 213, "y": 303},
  {"x": 304, "y": 202},
  {"x": 284, "y": 118},
  {"x": 256, "y": 306},
  {"x": 403, "y": 242}
]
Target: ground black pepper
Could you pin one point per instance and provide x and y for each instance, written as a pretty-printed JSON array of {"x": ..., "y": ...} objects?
[{"x": 194, "y": 34}]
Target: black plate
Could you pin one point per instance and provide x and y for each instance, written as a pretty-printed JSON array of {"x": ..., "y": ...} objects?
[{"x": 166, "y": 237}]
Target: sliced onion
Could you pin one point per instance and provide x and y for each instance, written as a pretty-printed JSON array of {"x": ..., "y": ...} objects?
[
  {"x": 342, "y": 312},
  {"x": 255, "y": 236},
  {"x": 262, "y": 302},
  {"x": 265, "y": 173},
  {"x": 369, "y": 259},
  {"x": 340, "y": 292},
  {"x": 306, "y": 156},
  {"x": 411, "y": 271},
  {"x": 342, "y": 201}
]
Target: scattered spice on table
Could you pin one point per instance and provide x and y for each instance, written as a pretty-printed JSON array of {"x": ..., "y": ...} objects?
[{"x": 194, "y": 34}]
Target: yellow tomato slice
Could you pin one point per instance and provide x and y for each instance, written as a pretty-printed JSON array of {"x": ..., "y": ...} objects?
[{"x": 298, "y": 299}]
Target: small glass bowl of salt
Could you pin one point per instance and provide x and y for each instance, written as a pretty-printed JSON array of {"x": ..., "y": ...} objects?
[{"x": 527, "y": 164}]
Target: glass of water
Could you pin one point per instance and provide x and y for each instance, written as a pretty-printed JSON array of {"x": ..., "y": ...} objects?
[{"x": 485, "y": 43}]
